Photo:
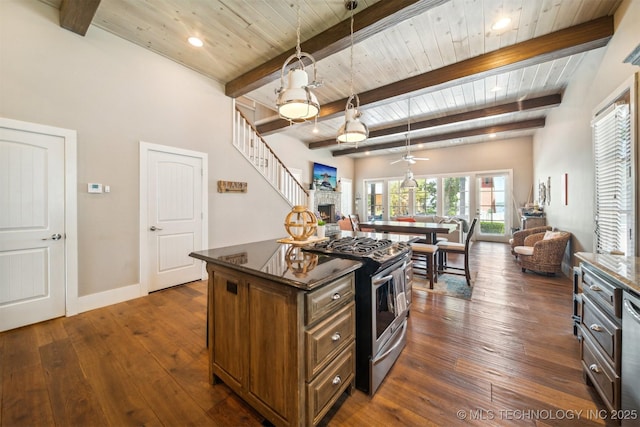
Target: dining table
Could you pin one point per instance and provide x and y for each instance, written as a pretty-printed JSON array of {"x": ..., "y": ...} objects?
[{"x": 428, "y": 229}]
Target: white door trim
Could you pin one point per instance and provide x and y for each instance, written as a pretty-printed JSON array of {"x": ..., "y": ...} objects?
[
  {"x": 145, "y": 148},
  {"x": 70, "y": 204}
]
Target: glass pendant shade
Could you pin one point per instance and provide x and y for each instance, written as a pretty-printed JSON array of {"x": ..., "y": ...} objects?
[
  {"x": 297, "y": 102},
  {"x": 353, "y": 130},
  {"x": 409, "y": 181}
]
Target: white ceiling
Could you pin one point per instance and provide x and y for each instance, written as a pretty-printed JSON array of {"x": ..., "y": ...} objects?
[{"x": 241, "y": 35}]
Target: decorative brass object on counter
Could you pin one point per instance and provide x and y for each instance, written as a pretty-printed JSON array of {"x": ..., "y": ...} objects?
[{"x": 300, "y": 223}]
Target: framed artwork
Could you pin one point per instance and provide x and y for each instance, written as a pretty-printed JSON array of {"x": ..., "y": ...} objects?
[
  {"x": 325, "y": 177},
  {"x": 542, "y": 193},
  {"x": 232, "y": 187}
]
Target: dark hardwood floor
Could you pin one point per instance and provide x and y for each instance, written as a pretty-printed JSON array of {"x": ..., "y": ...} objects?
[{"x": 506, "y": 357}]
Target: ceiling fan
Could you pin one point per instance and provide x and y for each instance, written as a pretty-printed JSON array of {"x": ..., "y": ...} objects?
[{"x": 408, "y": 157}]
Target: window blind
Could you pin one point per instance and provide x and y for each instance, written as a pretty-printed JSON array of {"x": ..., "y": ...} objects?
[{"x": 614, "y": 216}]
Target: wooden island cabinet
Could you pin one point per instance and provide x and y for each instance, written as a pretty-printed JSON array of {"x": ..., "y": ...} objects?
[
  {"x": 604, "y": 279},
  {"x": 282, "y": 340}
]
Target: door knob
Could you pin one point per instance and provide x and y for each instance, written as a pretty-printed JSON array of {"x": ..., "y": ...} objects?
[
  {"x": 154, "y": 228},
  {"x": 56, "y": 236}
]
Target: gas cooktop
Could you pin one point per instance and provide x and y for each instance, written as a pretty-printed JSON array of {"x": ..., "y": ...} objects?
[{"x": 378, "y": 251}]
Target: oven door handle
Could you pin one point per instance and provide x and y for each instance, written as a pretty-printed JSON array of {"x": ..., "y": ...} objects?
[
  {"x": 393, "y": 347},
  {"x": 382, "y": 280}
]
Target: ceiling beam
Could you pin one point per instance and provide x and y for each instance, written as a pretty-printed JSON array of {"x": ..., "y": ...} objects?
[
  {"x": 373, "y": 19},
  {"x": 570, "y": 41},
  {"x": 497, "y": 110},
  {"x": 76, "y": 15},
  {"x": 485, "y": 130}
]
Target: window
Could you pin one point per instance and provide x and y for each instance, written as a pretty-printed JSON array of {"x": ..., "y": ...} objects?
[
  {"x": 456, "y": 197},
  {"x": 426, "y": 196},
  {"x": 375, "y": 208},
  {"x": 614, "y": 212},
  {"x": 398, "y": 199}
]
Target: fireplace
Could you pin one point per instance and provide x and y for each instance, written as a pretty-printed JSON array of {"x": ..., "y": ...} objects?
[
  {"x": 326, "y": 204},
  {"x": 327, "y": 212}
]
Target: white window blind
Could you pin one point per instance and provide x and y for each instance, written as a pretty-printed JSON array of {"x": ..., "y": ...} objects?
[{"x": 614, "y": 216}]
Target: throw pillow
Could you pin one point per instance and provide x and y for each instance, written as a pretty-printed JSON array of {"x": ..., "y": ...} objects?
[{"x": 551, "y": 235}]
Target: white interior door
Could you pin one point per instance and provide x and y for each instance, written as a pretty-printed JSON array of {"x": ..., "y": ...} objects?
[
  {"x": 32, "y": 227},
  {"x": 174, "y": 218}
]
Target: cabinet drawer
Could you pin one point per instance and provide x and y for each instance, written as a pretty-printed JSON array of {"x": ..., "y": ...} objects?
[
  {"x": 329, "y": 338},
  {"x": 603, "y": 330},
  {"x": 323, "y": 391},
  {"x": 605, "y": 294},
  {"x": 322, "y": 301},
  {"x": 595, "y": 366}
]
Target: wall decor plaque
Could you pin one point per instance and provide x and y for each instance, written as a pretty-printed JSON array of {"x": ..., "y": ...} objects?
[{"x": 232, "y": 187}]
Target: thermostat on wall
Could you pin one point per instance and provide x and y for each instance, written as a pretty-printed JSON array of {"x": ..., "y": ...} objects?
[{"x": 94, "y": 188}]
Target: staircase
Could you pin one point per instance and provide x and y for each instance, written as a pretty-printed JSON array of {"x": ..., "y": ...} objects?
[{"x": 247, "y": 140}]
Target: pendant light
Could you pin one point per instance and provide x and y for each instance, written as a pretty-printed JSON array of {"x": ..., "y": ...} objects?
[
  {"x": 297, "y": 103},
  {"x": 409, "y": 181},
  {"x": 353, "y": 130}
]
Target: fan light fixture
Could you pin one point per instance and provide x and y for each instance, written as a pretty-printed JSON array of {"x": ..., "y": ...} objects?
[
  {"x": 297, "y": 103},
  {"x": 353, "y": 130}
]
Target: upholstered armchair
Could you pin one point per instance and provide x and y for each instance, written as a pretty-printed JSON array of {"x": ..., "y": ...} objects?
[
  {"x": 543, "y": 252},
  {"x": 519, "y": 236}
]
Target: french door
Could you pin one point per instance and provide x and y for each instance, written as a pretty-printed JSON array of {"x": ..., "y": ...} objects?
[{"x": 493, "y": 207}]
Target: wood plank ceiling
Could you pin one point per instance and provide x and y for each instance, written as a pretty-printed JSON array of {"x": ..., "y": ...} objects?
[{"x": 437, "y": 63}]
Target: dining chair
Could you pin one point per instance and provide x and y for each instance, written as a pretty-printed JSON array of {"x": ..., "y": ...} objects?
[
  {"x": 461, "y": 249},
  {"x": 345, "y": 224},
  {"x": 355, "y": 223}
]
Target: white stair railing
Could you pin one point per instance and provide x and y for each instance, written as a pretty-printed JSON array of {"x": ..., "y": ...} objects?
[{"x": 248, "y": 141}]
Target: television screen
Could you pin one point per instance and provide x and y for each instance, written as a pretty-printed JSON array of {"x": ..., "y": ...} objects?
[{"x": 325, "y": 177}]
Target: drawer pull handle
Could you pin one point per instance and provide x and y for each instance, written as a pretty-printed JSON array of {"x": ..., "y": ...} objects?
[
  {"x": 336, "y": 337},
  {"x": 594, "y": 368},
  {"x": 336, "y": 380},
  {"x": 596, "y": 328},
  {"x": 595, "y": 288},
  {"x": 335, "y": 296}
]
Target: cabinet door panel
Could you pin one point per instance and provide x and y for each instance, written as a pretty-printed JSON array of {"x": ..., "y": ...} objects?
[
  {"x": 273, "y": 348},
  {"x": 228, "y": 311}
]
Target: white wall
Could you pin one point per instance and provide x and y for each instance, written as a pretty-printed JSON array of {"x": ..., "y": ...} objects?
[
  {"x": 116, "y": 94},
  {"x": 565, "y": 143}
]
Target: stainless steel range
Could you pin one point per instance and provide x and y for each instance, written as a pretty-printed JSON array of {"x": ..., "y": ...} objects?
[{"x": 382, "y": 302}]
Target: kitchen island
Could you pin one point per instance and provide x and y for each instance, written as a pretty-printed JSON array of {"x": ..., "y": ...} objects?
[{"x": 281, "y": 328}]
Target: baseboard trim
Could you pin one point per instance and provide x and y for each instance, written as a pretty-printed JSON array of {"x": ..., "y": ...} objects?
[{"x": 110, "y": 297}]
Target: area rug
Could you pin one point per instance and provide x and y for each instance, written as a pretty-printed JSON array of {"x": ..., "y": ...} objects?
[{"x": 448, "y": 284}]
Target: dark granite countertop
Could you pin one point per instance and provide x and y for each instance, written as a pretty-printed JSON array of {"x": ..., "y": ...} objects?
[
  {"x": 288, "y": 264},
  {"x": 278, "y": 262},
  {"x": 624, "y": 269}
]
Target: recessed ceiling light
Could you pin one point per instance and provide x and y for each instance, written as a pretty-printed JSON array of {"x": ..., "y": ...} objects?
[
  {"x": 367, "y": 153},
  {"x": 195, "y": 41},
  {"x": 501, "y": 23},
  {"x": 496, "y": 89},
  {"x": 492, "y": 135}
]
